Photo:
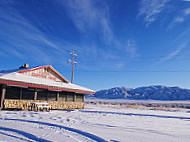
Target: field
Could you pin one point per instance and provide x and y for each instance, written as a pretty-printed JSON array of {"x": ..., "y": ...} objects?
[
  {"x": 96, "y": 122},
  {"x": 142, "y": 104}
]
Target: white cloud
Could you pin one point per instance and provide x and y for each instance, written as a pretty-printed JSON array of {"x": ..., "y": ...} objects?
[
  {"x": 92, "y": 17},
  {"x": 183, "y": 16},
  {"x": 174, "y": 53},
  {"x": 25, "y": 41},
  {"x": 88, "y": 16},
  {"x": 184, "y": 33},
  {"x": 83, "y": 14},
  {"x": 28, "y": 42},
  {"x": 130, "y": 48},
  {"x": 179, "y": 19},
  {"x": 187, "y": 11},
  {"x": 150, "y": 9}
]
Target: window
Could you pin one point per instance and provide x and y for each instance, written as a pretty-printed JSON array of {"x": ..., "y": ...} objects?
[
  {"x": 52, "y": 96},
  {"x": 27, "y": 93},
  {"x": 1, "y": 89},
  {"x": 79, "y": 98},
  {"x": 12, "y": 93},
  {"x": 42, "y": 94},
  {"x": 62, "y": 96},
  {"x": 70, "y": 97},
  {"x": 0, "y": 93}
]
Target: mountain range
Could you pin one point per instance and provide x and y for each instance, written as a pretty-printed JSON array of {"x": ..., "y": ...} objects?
[{"x": 144, "y": 93}]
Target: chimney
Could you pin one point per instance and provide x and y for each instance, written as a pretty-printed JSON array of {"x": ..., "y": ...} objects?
[{"x": 25, "y": 66}]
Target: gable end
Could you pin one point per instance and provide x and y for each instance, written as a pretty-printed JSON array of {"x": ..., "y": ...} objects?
[{"x": 45, "y": 72}]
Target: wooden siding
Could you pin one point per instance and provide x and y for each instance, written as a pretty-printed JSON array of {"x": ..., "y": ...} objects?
[{"x": 23, "y": 104}]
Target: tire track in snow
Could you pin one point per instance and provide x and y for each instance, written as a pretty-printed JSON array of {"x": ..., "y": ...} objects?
[
  {"x": 77, "y": 131},
  {"x": 25, "y": 134},
  {"x": 55, "y": 130},
  {"x": 136, "y": 114}
]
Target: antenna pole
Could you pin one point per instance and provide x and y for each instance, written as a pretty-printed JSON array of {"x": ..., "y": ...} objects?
[{"x": 73, "y": 63}]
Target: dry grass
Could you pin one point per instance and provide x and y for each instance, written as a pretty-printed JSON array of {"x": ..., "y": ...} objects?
[{"x": 146, "y": 106}]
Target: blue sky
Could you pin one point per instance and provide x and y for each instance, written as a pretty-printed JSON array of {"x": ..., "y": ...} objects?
[{"x": 128, "y": 43}]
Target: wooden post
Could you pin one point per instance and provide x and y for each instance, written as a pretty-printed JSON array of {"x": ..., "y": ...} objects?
[
  {"x": 20, "y": 93},
  {"x": 72, "y": 62},
  {"x": 57, "y": 96},
  {"x": 3, "y": 95},
  {"x": 66, "y": 96},
  {"x": 35, "y": 94},
  {"x": 83, "y": 98},
  {"x": 75, "y": 97}
]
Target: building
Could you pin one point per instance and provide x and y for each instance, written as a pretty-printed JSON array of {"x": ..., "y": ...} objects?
[{"x": 25, "y": 85}]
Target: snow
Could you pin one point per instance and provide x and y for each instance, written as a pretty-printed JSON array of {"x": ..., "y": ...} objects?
[
  {"x": 40, "y": 81},
  {"x": 95, "y": 123}
]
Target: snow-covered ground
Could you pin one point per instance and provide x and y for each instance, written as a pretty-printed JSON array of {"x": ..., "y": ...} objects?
[{"x": 95, "y": 124}]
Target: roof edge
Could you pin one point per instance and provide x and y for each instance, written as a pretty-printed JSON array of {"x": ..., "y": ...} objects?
[{"x": 45, "y": 87}]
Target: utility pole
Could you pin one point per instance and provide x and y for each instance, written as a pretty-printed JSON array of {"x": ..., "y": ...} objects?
[{"x": 72, "y": 62}]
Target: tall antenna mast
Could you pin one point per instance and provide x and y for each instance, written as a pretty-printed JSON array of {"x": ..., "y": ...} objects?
[{"x": 72, "y": 62}]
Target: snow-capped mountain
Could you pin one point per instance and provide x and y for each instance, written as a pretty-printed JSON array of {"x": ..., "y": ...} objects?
[{"x": 151, "y": 92}]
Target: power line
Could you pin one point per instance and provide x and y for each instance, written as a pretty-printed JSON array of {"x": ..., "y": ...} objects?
[{"x": 153, "y": 71}]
